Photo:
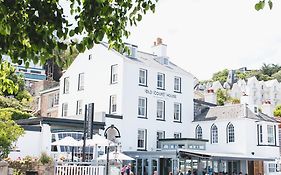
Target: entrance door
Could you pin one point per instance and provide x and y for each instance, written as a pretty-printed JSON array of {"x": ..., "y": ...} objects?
[
  {"x": 250, "y": 167},
  {"x": 165, "y": 166}
]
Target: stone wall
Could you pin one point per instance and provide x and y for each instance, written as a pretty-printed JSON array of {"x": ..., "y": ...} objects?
[{"x": 3, "y": 168}]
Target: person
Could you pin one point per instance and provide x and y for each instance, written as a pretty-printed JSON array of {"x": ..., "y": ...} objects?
[
  {"x": 170, "y": 173},
  {"x": 123, "y": 170},
  {"x": 240, "y": 173},
  {"x": 128, "y": 169},
  {"x": 155, "y": 173},
  {"x": 189, "y": 172}
]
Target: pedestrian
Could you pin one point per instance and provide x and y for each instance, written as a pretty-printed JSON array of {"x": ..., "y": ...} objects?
[
  {"x": 128, "y": 169},
  {"x": 155, "y": 173},
  {"x": 170, "y": 173},
  {"x": 123, "y": 170}
]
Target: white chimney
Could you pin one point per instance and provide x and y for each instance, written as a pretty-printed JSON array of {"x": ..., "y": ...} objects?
[
  {"x": 210, "y": 96},
  {"x": 267, "y": 108},
  {"x": 159, "y": 48}
]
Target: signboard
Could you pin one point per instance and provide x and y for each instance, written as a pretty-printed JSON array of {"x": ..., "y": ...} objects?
[
  {"x": 89, "y": 119},
  {"x": 160, "y": 93}
]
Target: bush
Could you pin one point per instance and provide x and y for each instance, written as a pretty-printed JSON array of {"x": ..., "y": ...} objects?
[{"x": 45, "y": 159}]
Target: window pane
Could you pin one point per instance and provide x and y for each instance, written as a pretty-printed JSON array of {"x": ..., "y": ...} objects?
[
  {"x": 114, "y": 73},
  {"x": 66, "y": 85},
  {"x": 160, "y": 109},
  {"x": 142, "y": 77},
  {"x": 81, "y": 81},
  {"x": 142, "y": 106}
]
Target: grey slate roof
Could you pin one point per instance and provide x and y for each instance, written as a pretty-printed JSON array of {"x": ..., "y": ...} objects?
[{"x": 231, "y": 112}]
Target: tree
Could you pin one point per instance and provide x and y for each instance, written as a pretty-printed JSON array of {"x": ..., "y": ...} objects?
[
  {"x": 222, "y": 97},
  {"x": 270, "y": 69},
  {"x": 277, "y": 76},
  {"x": 261, "y": 4},
  {"x": 220, "y": 76},
  {"x": 277, "y": 111},
  {"x": 9, "y": 133},
  {"x": 31, "y": 30},
  {"x": 13, "y": 97}
]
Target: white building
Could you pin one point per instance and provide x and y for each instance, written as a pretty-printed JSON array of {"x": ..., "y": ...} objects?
[
  {"x": 239, "y": 138},
  {"x": 253, "y": 92},
  {"x": 145, "y": 96}
]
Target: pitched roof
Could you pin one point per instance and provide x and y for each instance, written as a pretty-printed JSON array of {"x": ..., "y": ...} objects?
[{"x": 228, "y": 112}]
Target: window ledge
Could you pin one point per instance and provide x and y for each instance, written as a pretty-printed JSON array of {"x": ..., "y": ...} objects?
[
  {"x": 139, "y": 149},
  {"x": 161, "y": 120},
  {"x": 179, "y": 92},
  {"x": 113, "y": 83},
  {"x": 141, "y": 117},
  {"x": 175, "y": 121},
  {"x": 143, "y": 85},
  {"x": 163, "y": 89}
]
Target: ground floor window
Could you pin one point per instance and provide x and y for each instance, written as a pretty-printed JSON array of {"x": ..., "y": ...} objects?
[{"x": 271, "y": 167}]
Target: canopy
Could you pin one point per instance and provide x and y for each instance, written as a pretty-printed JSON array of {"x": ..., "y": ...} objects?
[
  {"x": 67, "y": 141},
  {"x": 97, "y": 140},
  {"x": 115, "y": 156}
]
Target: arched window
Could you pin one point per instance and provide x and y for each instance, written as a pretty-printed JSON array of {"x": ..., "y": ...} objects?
[
  {"x": 214, "y": 134},
  {"x": 230, "y": 133},
  {"x": 198, "y": 132}
]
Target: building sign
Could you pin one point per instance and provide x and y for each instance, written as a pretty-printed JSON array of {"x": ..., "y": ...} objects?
[
  {"x": 160, "y": 93},
  {"x": 89, "y": 118}
]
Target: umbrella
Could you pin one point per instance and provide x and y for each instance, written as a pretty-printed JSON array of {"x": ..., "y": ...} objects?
[
  {"x": 115, "y": 155},
  {"x": 67, "y": 141},
  {"x": 97, "y": 140}
]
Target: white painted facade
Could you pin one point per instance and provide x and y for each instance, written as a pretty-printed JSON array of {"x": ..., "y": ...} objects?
[
  {"x": 98, "y": 89},
  {"x": 33, "y": 143},
  {"x": 249, "y": 140}
]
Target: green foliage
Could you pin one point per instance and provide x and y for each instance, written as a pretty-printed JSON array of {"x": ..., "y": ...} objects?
[
  {"x": 32, "y": 30},
  {"x": 277, "y": 111},
  {"x": 261, "y": 4},
  {"x": 16, "y": 114},
  {"x": 222, "y": 97},
  {"x": 45, "y": 159},
  {"x": 259, "y": 75},
  {"x": 234, "y": 100},
  {"x": 220, "y": 76},
  {"x": 66, "y": 57},
  {"x": 270, "y": 69},
  {"x": 9, "y": 133},
  {"x": 277, "y": 76},
  {"x": 20, "y": 166},
  {"x": 241, "y": 75}
]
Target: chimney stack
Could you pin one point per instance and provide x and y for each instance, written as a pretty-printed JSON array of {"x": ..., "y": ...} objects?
[{"x": 159, "y": 48}]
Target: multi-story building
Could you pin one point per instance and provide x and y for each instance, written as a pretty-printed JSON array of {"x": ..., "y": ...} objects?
[
  {"x": 145, "y": 96},
  {"x": 240, "y": 139},
  {"x": 253, "y": 92}
]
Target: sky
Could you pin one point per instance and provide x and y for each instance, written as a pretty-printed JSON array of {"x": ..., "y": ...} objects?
[{"x": 206, "y": 36}]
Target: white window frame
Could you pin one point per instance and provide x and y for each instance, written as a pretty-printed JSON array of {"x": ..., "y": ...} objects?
[
  {"x": 177, "y": 135},
  {"x": 114, "y": 74},
  {"x": 143, "y": 77},
  {"x": 230, "y": 133},
  {"x": 177, "y": 84},
  {"x": 260, "y": 134},
  {"x": 64, "y": 109},
  {"x": 56, "y": 98},
  {"x": 160, "y": 107},
  {"x": 79, "y": 107},
  {"x": 160, "y": 81},
  {"x": 113, "y": 104},
  {"x": 142, "y": 136},
  {"x": 177, "y": 112},
  {"x": 66, "y": 85},
  {"x": 81, "y": 81},
  {"x": 142, "y": 106},
  {"x": 214, "y": 134},
  {"x": 272, "y": 168},
  {"x": 198, "y": 132},
  {"x": 270, "y": 135},
  {"x": 159, "y": 135}
]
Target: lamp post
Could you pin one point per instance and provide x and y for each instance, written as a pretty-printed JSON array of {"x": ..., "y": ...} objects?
[{"x": 111, "y": 133}]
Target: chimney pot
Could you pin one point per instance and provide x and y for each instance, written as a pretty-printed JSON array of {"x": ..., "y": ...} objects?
[{"x": 159, "y": 41}]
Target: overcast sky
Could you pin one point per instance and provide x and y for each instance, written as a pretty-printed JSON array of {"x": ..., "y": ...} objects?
[{"x": 205, "y": 36}]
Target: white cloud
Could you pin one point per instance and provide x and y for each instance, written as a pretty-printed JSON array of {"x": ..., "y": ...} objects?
[{"x": 205, "y": 36}]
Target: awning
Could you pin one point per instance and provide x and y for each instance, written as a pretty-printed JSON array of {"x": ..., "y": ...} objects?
[{"x": 188, "y": 153}]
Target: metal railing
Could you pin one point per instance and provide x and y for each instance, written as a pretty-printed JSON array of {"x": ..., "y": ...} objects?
[{"x": 79, "y": 170}]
